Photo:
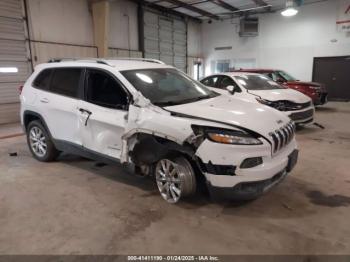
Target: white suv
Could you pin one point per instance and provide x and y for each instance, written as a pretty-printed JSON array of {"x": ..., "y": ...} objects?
[
  {"x": 259, "y": 88},
  {"x": 151, "y": 115}
]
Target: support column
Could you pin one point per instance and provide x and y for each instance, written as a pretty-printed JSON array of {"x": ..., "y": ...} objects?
[{"x": 100, "y": 16}]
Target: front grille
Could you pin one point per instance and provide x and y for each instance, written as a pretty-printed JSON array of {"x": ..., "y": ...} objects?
[
  {"x": 302, "y": 115},
  {"x": 281, "y": 137}
]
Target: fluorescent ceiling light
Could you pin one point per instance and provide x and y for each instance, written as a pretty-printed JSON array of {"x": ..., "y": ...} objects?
[
  {"x": 8, "y": 70},
  {"x": 289, "y": 12}
]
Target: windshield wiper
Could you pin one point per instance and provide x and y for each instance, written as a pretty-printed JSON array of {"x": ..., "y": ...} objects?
[
  {"x": 194, "y": 99},
  {"x": 185, "y": 101},
  {"x": 165, "y": 103}
]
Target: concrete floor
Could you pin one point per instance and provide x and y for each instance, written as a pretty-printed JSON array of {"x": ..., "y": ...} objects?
[{"x": 75, "y": 207}]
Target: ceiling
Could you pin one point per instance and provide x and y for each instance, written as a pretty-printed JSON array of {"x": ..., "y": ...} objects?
[{"x": 220, "y": 9}]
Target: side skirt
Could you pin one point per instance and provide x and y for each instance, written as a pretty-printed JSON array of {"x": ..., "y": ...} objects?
[{"x": 75, "y": 149}]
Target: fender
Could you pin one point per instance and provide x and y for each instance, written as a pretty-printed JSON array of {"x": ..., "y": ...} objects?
[{"x": 150, "y": 148}]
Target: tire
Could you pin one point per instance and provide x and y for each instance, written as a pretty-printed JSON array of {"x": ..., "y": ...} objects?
[
  {"x": 175, "y": 178},
  {"x": 40, "y": 143}
]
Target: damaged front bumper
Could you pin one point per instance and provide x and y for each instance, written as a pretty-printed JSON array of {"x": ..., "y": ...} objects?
[
  {"x": 302, "y": 117},
  {"x": 249, "y": 183}
]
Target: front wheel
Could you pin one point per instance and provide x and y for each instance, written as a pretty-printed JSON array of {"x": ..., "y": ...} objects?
[{"x": 175, "y": 178}]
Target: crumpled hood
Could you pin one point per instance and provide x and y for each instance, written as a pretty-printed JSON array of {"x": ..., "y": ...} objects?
[
  {"x": 229, "y": 110},
  {"x": 281, "y": 94}
]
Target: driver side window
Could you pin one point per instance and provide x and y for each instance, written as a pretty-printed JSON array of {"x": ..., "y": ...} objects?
[
  {"x": 210, "y": 81},
  {"x": 103, "y": 90},
  {"x": 228, "y": 81}
]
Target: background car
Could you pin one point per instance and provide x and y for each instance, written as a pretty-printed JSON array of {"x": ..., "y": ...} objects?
[
  {"x": 316, "y": 91},
  {"x": 260, "y": 88}
]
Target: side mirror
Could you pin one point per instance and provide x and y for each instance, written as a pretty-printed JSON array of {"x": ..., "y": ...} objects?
[{"x": 231, "y": 89}]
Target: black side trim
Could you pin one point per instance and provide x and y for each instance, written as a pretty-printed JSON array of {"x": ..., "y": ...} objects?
[
  {"x": 79, "y": 150},
  {"x": 245, "y": 190},
  {"x": 227, "y": 170}
]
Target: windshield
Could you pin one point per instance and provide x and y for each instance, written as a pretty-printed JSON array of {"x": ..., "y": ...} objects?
[
  {"x": 167, "y": 86},
  {"x": 286, "y": 76},
  {"x": 257, "y": 82}
]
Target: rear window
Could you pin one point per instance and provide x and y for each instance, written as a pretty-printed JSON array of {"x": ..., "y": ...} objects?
[
  {"x": 42, "y": 81},
  {"x": 65, "y": 81}
]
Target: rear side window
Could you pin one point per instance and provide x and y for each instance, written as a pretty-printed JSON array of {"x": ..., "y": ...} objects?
[
  {"x": 210, "y": 81},
  {"x": 65, "y": 81},
  {"x": 228, "y": 81},
  {"x": 42, "y": 81}
]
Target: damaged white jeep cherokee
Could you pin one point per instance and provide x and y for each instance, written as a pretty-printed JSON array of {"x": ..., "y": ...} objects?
[{"x": 151, "y": 115}]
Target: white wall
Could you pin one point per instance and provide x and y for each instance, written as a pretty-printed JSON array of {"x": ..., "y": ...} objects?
[
  {"x": 123, "y": 25},
  {"x": 194, "y": 39},
  {"x": 63, "y": 21},
  {"x": 284, "y": 43}
]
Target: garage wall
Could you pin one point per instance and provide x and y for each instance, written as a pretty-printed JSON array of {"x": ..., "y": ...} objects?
[
  {"x": 285, "y": 43},
  {"x": 194, "y": 49},
  {"x": 60, "y": 29},
  {"x": 14, "y": 58},
  {"x": 194, "y": 39},
  {"x": 63, "y": 21},
  {"x": 123, "y": 25},
  {"x": 165, "y": 38}
]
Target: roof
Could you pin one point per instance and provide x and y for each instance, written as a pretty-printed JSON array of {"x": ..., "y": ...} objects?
[
  {"x": 118, "y": 64},
  {"x": 239, "y": 73},
  {"x": 256, "y": 70}
]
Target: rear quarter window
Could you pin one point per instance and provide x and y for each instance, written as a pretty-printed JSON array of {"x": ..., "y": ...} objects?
[
  {"x": 65, "y": 81},
  {"x": 42, "y": 81}
]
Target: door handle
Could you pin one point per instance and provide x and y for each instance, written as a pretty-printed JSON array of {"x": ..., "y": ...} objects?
[
  {"x": 82, "y": 110},
  {"x": 44, "y": 100}
]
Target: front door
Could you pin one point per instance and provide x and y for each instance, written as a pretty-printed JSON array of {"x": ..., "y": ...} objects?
[{"x": 103, "y": 113}]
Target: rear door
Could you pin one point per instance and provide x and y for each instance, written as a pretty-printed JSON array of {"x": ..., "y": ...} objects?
[
  {"x": 58, "y": 104},
  {"x": 103, "y": 113}
]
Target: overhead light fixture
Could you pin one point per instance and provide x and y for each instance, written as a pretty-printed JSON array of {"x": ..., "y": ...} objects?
[
  {"x": 289, "y": 10},
  {"x": 8, "y": 70}
]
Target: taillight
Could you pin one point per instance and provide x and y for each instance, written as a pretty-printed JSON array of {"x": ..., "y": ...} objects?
[{"x": 20, "y": 89}]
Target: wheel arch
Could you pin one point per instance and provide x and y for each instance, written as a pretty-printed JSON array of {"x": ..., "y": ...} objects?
[
  {"x": 29, "y": 116},
  {"x": 149, "y": 148}
]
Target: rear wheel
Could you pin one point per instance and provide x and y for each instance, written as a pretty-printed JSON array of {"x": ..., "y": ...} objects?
[
  {"x": 39, "y": 142},
  {"x": 175, "y": 178}
]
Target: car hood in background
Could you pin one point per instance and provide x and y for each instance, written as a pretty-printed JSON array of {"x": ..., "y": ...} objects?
[
  {"x": 228, "y": 110},
  {"x": 281, "y": 94},
  {"x": 320, "y": 86}
]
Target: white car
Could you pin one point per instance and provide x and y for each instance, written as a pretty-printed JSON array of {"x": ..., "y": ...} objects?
[
  {"x": 152, "y": 116},
  {"x": 259, "y": 88}
]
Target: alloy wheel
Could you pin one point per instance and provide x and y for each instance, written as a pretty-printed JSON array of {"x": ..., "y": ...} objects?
[{"x": 37, "y": 141}]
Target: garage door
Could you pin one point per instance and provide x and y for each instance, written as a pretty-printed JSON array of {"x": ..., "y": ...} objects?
[
  {"x": 165, "y": 38},
  {"x": 14, "y": 64}
]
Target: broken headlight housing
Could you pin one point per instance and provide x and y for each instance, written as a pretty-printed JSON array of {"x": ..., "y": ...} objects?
[
  {"x": 225, "y": 136},
  {"x": 283, "y": 105}
]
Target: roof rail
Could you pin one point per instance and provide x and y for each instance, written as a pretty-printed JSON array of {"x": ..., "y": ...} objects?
[
  {"x": 96, "y": 60},
  {"x": 150, "y": 60}
]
